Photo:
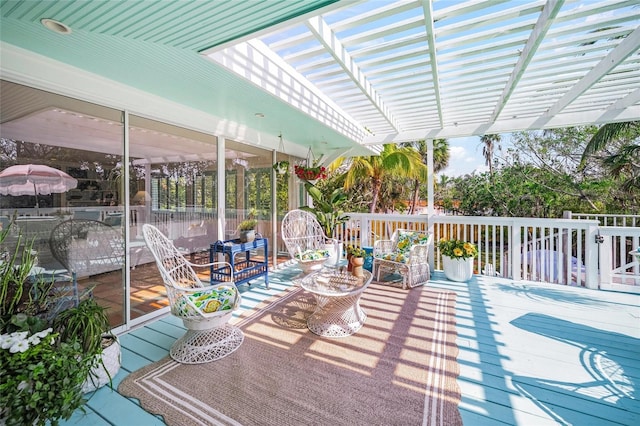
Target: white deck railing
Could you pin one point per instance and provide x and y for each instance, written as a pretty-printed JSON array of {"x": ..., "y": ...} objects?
[
  {"x": 625, "y": 220},
  {"x": 551, "y": 250},
  {"x": 562, "y": 251}
]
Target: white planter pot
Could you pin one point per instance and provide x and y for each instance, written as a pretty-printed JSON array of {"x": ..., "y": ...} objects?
[
  {"x": 334, "y": 258},
  {"x": 459, "y": 270},
  {"x": 106, "y": 370},
  {"x": 247, "y": 236}
]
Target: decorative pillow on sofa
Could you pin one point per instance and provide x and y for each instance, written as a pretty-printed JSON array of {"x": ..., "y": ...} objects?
[{"x": 221, "y": 298}]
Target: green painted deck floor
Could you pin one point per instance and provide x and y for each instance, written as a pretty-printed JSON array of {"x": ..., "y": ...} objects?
[{"x": 530, "y": 354}]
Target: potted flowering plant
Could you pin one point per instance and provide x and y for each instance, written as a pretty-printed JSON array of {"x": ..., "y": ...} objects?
[
  {"x": 357, "y": 259},
  {"x": 457, "y": 258},
  {"x": 41, "y": 377},
  {"x": 310, "y": 173}
]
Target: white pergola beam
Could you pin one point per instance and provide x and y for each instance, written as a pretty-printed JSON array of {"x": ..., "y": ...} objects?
[
  {"x": 627, "y": 47},
  {"x": 332, "y": 44},
  {"x": 427, "y": 8},
  {"x": 545, "y": 20}
]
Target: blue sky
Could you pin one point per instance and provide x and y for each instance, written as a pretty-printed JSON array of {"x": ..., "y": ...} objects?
[{"x": 465, "y": 157}]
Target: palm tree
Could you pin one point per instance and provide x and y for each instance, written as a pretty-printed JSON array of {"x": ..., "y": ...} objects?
[
  {"x": 490, "y": 142},
  {"x": 605, "y": 135},
  {"x": 440, "y": 162},
  {"x": 441, "y": 155},
  {"x": 624, "y": 162},
  {"x": 392, "y": 161}
]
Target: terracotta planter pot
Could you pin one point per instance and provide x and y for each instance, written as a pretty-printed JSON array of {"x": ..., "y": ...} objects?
[
  {"x": 459, "y": 270},
  {"x": 357, "y": 266}
]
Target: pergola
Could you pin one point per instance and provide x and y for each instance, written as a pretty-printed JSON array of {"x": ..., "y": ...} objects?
[{"x": 340, "y": 77}]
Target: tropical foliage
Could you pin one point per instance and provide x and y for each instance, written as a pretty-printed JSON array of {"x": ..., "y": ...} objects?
[
  {"x": 544, "y": 174},
  {"x": 328, "y": 209},
  {"x": 393, "y": 162}
]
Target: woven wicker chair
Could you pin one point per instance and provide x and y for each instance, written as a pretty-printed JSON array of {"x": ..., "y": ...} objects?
[
  {"x": 302, "y": 234},
  {"x": 86, "y": 247},
  {"x": 204, "y": 310},
  {"x": 406, "y": 253}
]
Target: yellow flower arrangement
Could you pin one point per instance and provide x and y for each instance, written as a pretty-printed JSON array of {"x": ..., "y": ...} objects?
[{"x": 457, "y": 249}]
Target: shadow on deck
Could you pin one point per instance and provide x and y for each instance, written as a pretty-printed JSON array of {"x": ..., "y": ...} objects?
[{"x": 529, "y": 354}]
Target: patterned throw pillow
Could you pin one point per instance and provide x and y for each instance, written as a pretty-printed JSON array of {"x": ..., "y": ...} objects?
[
  {"x": 408, "y": 239},
  {"x": 396, "y": 256},
  {"x": 313, "y": 254},
  {"x": 221, "y": 298}
]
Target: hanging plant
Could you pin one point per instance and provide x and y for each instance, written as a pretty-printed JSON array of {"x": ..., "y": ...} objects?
[
  {"x": 312, "y": 173},
  {"x": 281, "y": 167}
]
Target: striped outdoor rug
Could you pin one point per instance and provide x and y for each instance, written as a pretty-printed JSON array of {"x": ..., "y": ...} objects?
[{"x": 399, "y": 369}]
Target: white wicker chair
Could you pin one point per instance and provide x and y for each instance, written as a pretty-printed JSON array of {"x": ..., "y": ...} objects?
[
  {"x": 84, "y": 247},
  {"x": 204, "y": 310},
  {"x": 302, "y": 233},
  {"x": 406, "y": 253}
]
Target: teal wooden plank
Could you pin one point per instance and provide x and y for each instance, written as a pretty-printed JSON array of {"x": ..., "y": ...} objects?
[
  {"x": 119, "y": 410},
  {"x": 132, "y": 361},
  {"x": 155, "y": 337},
  {"x": 87, "y": 418},
  {"x": 143, "y": 347}
]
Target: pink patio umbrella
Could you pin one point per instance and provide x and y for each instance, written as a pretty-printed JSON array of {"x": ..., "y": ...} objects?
[{"x": 34, "y": 179}]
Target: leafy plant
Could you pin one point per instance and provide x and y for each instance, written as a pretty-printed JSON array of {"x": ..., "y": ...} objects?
[
  {"x": 43, "y": 368},
  {"x": 87, "y": 322},
  {"x": 327, "y": 210},
  {"x": 247, "y": 225},
  {"x": 41, "y": 377},
  {"x": 281, "y": 167},
  {"x": 20, "y": 292},
  {"x": 457, "y": 249},
  {"x": 356, "y": 251}
]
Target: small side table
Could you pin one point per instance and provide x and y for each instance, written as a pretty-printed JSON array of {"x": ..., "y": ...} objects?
[
  {"x": 244, "y": 270},
  {"x": 338, "y": 312}
]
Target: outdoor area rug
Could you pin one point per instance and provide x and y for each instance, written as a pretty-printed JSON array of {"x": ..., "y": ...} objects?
[{"x": 400, "y": 368}]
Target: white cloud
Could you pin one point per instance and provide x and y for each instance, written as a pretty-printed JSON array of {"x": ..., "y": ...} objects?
[{"x": 465, "y": 157}]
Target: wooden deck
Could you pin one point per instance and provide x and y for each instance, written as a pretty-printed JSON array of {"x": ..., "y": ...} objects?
[{"x": 530, "y": 354}]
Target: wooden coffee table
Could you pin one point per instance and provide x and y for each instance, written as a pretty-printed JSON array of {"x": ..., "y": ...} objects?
[{"x": 337, "y": 293}]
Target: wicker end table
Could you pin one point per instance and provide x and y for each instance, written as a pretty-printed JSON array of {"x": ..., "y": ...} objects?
[{"x": 337, "y": 293}]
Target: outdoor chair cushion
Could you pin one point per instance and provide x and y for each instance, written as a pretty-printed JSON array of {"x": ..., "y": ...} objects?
[
  {"x": 395, "y": 256},
  {"x": 407, "y": 239},
  {"x": 220, "y": 298},
  {"x": 313, "y": 254}
]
